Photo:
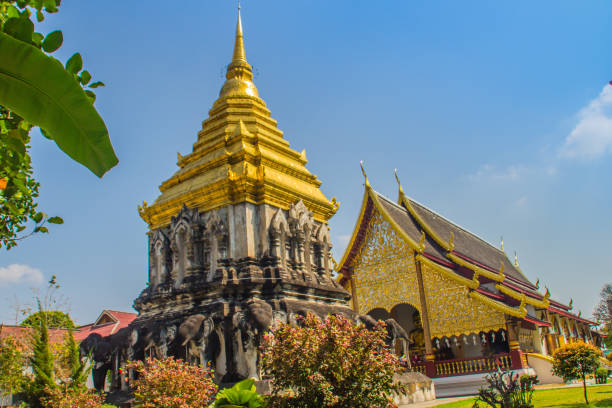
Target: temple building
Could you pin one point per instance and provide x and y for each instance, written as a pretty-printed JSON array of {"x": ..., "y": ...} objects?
[
  {"x": 238, "y": 242},
  {"x": 465, "y": 305}
]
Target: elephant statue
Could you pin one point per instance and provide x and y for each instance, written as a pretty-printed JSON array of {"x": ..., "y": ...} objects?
[
  {"x": 249, "y": 327},
  {"x": 395, "y": 334},
  {"x": 195, "y": 332},
  {"x": 368, "y": 321},
  {"x": 100, "y": 351}
]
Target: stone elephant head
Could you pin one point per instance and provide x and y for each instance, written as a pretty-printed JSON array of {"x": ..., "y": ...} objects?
[
  {"x": 368, "y": 321},
  {"x": 396, "y": 332}
]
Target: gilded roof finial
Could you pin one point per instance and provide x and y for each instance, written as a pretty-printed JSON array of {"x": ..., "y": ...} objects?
[
  {"x": 239, "y": 73},
  {"x": 516, "y": 259},
  {"x": 571, "y": 304},
  {"x": 422, "y": 242},
  {"x": 365, "y": 176},
  {"x": 401, "y": 190},
  {"x": 502, "y": 244}
]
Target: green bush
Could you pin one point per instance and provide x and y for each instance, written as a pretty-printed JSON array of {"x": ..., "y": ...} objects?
[
  {"x": 601, "y": 375},
  {"x": 242, "y": 394}
]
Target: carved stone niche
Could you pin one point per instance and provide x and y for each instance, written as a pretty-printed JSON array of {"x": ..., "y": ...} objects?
[
  {"x": 301, "y": 224},
  {"x": 159, "y": 258},
  {"x": 280, "y": 238},
  {"x": 322, "y": 254},
  {"x": 184, "y": 234},
  {"x": 215, "y": 243}
]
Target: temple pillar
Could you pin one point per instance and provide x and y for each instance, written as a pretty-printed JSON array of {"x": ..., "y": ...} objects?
[
  {"x": 354, "y": 301},
  {"x": 516, "y": 355},
  {"x": 430, "y": 368}
]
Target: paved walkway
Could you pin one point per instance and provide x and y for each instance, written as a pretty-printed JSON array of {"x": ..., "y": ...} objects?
[{"x": 440, "y": 401}]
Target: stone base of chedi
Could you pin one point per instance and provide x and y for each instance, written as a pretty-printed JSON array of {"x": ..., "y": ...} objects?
[{"x": 205, "y": 306}]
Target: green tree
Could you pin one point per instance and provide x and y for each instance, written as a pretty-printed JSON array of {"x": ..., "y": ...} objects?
[
  {"x": 54, "y": 319},
  {"x": 37, "y": 90},
  {"x": 576, "y": 360},
  {"x": 11, "y": 369},
  {"x": 42, "y": 364},
  {"x": 78, "y": 371}
]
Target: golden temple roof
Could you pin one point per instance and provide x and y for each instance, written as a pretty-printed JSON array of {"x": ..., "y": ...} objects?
[{"x": 240, "y": 156}]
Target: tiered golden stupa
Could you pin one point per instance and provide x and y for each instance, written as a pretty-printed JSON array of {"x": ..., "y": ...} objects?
[
  {"x": 238, "y": 240},
  {"x": 240, "y": 156}
]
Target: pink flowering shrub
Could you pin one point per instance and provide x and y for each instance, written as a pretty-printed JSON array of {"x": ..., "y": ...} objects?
[
  {"x": 330, "y": 363},
  {"x": 172, "y": 383},
  {"x": 65, "y": 396}
]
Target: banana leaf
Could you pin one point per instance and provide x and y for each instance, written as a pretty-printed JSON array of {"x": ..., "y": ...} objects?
[{"x": 37, "y": 87}]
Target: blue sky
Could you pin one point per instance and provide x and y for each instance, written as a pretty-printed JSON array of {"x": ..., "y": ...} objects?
[{"x": 496, "y": 115}]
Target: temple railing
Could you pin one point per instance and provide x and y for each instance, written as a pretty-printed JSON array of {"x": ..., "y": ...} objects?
[
  {"x": 465, "y": 366},
  {"x": 419, "y": 368}
]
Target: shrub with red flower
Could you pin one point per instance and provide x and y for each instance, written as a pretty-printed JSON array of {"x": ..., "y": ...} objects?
[
  {"x": 70, "y": 397},
  {"x": 171, "y": 383},
  {"x": 330, "y": 363}
]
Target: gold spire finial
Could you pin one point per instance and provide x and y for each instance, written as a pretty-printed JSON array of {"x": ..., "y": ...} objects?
[
  {"x": 239, "y": 54},
  {"x": 516, "y": 259},
  {"x": 239, "y": 73},
  {"x": 365, "y": 176},
  {"x": 401, "y": 190},
  {"x": 502, "y": 244}
]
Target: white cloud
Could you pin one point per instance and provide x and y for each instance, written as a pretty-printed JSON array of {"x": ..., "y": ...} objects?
[
  {"x": 521, "y": 202},
  {"x": 592, "y": 135},
  {"x": 16, "y": 273},
  {"x": 510, "y": 173}
]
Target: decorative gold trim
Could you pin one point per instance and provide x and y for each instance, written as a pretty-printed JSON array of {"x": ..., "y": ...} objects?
[
  {"x": 509, "y": 310},
  {"x": 448, "y": 272},
  {"x": 499, "y": 277},
  {"x": 541, "y": 356},
  {"x": 414, "y": 245},
  {"x": 448, "y": 246},
  {"x": 404, "y": 200},
  {"x": 541, "y": 304},
  {"x": 457, "y": 333}
]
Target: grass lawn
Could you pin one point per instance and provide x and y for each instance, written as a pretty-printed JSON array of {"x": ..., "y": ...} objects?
[{"x": 599, "y": 396}]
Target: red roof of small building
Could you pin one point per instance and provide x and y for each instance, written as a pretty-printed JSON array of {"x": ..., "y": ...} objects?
[{"x": 109, "y": 322}]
